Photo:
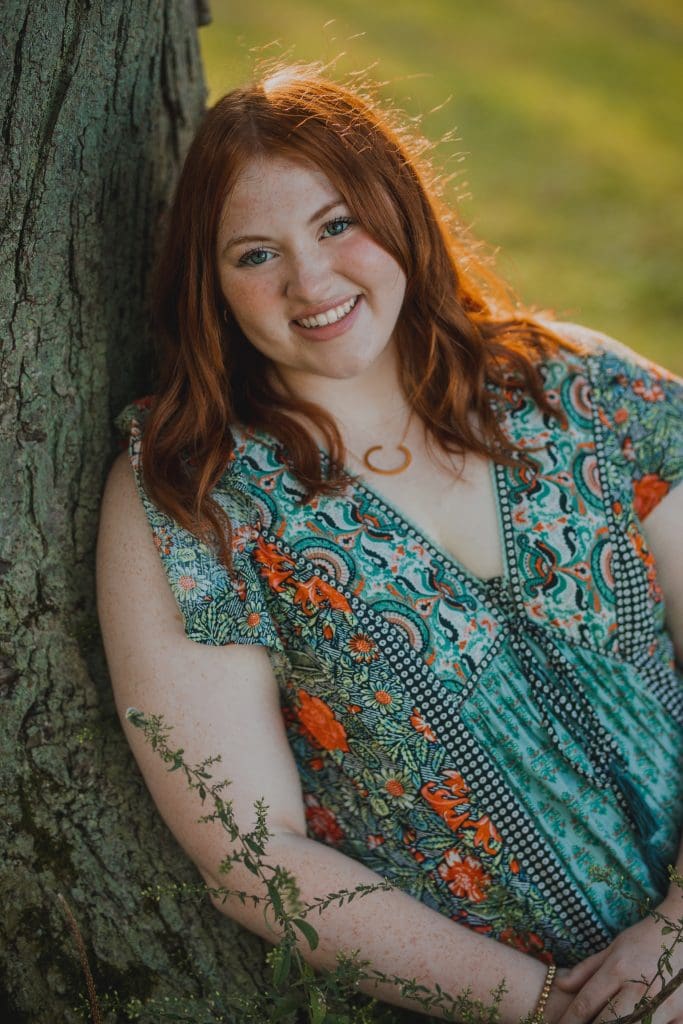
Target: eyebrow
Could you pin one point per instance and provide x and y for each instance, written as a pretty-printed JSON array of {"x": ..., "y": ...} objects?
[{"x": 239, "y": 239}]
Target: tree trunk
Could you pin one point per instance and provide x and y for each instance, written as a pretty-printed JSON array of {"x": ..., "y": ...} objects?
[{"x": 101, "y": 100}]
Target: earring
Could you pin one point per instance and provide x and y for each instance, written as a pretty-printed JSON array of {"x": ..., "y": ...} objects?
[{"x": 225, "y": 314}]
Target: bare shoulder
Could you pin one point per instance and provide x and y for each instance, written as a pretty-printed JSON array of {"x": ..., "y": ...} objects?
[
  {"x": 121, "y": 511},
  {"x": 130, "y": 579}
]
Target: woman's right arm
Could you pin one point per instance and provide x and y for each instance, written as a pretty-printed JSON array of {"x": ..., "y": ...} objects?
[{"x": 224, "y": 701}]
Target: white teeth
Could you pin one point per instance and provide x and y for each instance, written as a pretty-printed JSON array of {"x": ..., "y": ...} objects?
[{"x": 330, "y": 316}]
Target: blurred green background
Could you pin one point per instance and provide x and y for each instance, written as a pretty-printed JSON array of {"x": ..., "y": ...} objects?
[{"x": 568, "y": 126}]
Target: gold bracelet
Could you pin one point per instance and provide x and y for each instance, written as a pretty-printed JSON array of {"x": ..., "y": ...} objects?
[{"x": 543, "y": 998}]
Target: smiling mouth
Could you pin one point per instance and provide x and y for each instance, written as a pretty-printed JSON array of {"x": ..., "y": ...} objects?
[{"x": 331, "y": 316}]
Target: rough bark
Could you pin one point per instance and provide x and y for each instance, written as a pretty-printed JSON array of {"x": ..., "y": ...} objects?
[{"x": 101, "y": 99}]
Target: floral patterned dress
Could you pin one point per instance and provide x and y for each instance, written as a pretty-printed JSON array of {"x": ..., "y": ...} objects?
[{"x": 480, "y": 743}]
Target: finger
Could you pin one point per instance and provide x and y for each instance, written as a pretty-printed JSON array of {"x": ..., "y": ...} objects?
[
  {"x": 576, "y": 978},
  {"x": 592, "y": 1000},
  {"x": 624, "y": 1003}
]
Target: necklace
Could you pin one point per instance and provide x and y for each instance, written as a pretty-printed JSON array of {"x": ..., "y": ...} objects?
[{"x": 407, "y": 457}]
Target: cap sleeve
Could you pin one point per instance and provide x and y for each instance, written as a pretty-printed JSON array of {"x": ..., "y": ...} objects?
[
  {"x": 217, "y": 609},
  {"x": 641, "y": 405}
]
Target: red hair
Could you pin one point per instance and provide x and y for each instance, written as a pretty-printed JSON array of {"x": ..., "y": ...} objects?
[{"x": 458, "y": 330}]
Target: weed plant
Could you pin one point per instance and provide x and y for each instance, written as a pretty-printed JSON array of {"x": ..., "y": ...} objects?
[{"x": 293, "y": 992}]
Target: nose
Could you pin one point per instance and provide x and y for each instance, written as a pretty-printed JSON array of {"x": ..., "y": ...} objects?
[{"x": 307, "y": 276}]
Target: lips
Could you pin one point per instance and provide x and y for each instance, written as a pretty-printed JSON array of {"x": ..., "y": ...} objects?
[
  {"x": 334, "y": 329},
  {"x": 329, "y": 315}
]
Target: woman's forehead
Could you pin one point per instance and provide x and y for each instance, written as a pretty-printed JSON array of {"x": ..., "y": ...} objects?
[{"x": 269, "y": 184}]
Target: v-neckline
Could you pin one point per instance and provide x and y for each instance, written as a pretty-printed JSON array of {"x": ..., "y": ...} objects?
[
  {"x": 426, "y": 540},
  {"x": 496, "y": 471}
]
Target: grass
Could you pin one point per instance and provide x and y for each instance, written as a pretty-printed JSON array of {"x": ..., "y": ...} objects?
[{"x": 568, "y": 117}]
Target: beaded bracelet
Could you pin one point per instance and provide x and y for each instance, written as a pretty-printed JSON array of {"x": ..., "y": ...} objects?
[{"x": 543, "y": 998}]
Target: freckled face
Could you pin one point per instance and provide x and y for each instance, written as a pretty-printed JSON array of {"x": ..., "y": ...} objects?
[{"x": 307, "y": 285}]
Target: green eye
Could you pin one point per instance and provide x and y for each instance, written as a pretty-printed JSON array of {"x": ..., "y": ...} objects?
[
  {"x": 255, "y": 257},
  {"x": 338, "y": 225}
]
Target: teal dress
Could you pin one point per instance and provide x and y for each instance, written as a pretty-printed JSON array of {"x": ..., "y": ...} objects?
[{"x": 482, "y": 744}]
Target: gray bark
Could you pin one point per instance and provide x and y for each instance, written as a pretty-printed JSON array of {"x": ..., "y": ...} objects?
[{"x": 101, "y": 99}]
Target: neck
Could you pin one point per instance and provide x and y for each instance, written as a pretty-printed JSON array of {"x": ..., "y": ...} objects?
[{"x": 367, "y": 407}]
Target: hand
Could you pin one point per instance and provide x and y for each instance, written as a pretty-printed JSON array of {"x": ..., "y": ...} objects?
[{"x": 614, "y": 976}]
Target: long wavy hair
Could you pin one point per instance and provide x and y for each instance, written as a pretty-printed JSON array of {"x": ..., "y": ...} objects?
[{"x": 459, "y": 328}]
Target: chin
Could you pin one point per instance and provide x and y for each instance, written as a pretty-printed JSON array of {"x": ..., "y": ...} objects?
[{"x": 345, "y": 369}]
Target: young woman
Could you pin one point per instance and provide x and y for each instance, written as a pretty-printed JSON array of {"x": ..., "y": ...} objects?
[{"x": 424, "y": 585}]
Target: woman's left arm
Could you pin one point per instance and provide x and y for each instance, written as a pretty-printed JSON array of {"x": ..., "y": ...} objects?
[
  {"x": 663, "y": 531},
  {"x": 612, "y": 973}
]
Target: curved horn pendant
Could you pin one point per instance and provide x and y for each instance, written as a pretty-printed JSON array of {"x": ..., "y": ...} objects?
[{"x": 407, "y": 459}]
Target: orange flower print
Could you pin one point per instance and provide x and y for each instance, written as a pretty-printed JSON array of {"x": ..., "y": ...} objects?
[
  {"x": 314, "y": 592},
  {"x": 382, "y": 698},
  {"x": 418, "y": 723},
  {"x": 627, "y": 449},
  {"x": 363, "y": 648},
  {"x": 455, "y": 783},
  {"x": 444, "y": 802},
  {"x": 391, "y": 788},
  {"x": 278, "y": 570},
  {"x": 187, "y": 582},
  {"x": 277, "y": 567},
  {"x": 318, "y": 720},
  {"x": 163, "y": 541},
  {"x": 409, "y": 837},
  {"x": 253, "y": 620},
  {"x": 653, "y": 393},
  {"x": 486, "y": 834},
  {"x": 464, "y": 876},
  {"x": 648, "y": 560},
  {"x": 649, "y": 491},
  {"x": 242, "y": 536},
  {"x": 526, "y": 942},
  {"x": 322, "y": 823}
]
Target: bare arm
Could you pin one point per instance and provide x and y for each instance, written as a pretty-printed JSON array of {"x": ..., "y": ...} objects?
[
  {"x": 224, "y": 700},
  {"x": 662, "y": 529}
]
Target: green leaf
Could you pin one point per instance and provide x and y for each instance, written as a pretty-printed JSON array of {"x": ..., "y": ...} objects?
[
  {"x": 250, "y": 865},
  {"x": 253, "y": 845},
  {"x": 308, "y": 931},
  {"x": 282, "y": 966},
  {"x": 275, "y": 899},
  {"x": 318, "y": 1005}
]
